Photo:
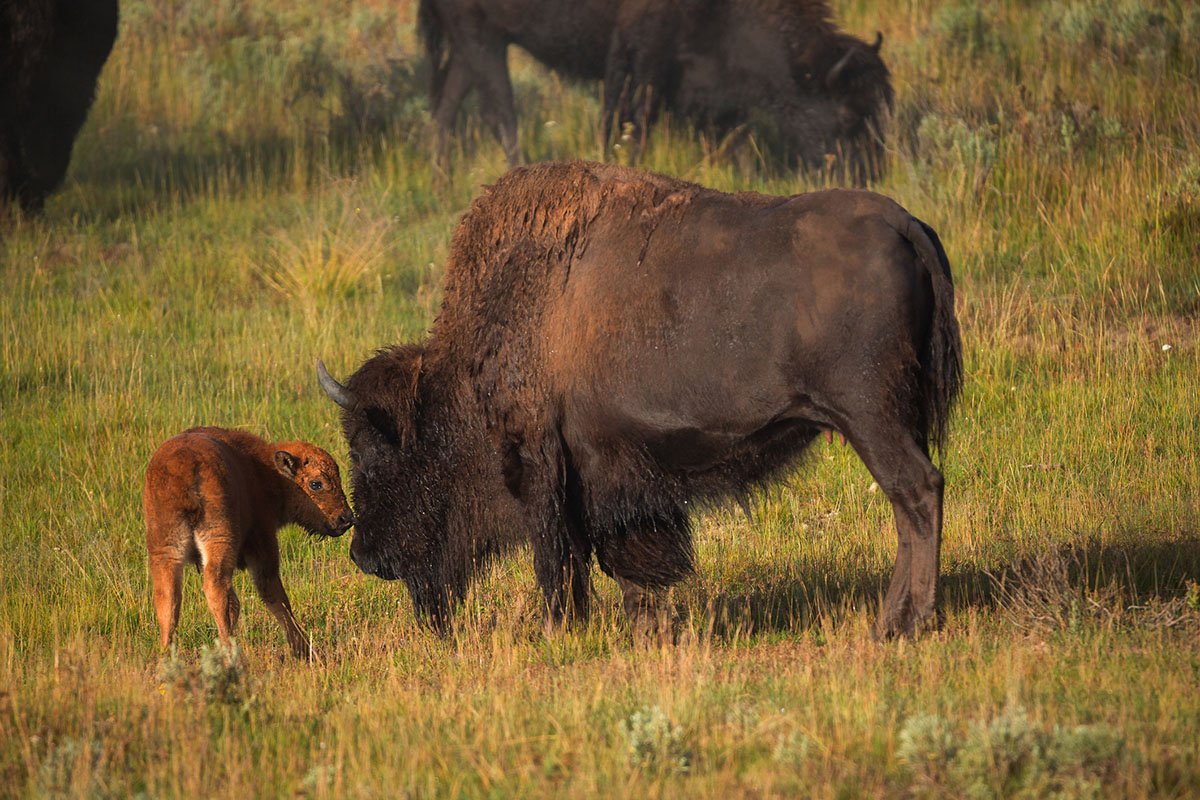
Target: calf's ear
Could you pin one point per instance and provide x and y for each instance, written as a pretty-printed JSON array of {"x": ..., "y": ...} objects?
[{"x": 286, "y": 463}]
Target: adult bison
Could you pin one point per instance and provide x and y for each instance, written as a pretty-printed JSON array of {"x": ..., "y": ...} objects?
[
  {"x": 51, "y": 53},
  {"x": 616, "y": 347},
  {"x": 721, "y": 63}
]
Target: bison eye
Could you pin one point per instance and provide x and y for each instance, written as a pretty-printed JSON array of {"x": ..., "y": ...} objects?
[
  {"x": 316, "y": 486},
  {"x": 354, "y": 457}
]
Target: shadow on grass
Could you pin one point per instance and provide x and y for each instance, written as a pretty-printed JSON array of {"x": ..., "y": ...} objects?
[
  {"x": 1037, "y": 589},
  {"x": 336, "y": 122},
  {"x": 166, "y": 176}
]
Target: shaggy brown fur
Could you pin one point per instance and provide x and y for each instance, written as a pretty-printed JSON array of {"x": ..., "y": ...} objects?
[
  {"x": 215, "y": 498},
  {"x": 616, "y": 347}
]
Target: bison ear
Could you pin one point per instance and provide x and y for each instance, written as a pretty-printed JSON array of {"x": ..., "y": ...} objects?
[
  {"x": 382, "y": 421},
  {"x": 287, "y": 463}
]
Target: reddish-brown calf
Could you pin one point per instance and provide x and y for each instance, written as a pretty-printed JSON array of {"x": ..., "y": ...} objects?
[{"x": 215, "y": 498}]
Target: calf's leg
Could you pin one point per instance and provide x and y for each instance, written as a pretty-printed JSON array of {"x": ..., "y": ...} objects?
[
  {"x": 264, "y": 569},
  {"x": 166, "y": 576},
  {"x": 217, "y": 575}
]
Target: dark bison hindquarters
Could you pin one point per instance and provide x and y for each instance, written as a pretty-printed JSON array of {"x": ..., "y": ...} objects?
[
  {"x": 616, "y": 346},
  {"x": 51, "y": 54}
]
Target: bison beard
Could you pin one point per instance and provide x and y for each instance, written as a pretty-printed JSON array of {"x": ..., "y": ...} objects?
[{"x": 615, "y": 347}]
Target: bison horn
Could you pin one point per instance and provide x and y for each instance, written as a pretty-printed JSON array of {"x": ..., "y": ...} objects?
[
  {"x": 834, "y": 73},
  {"x": 878, "y": 42},
  {"x": 336, "y": 392}
]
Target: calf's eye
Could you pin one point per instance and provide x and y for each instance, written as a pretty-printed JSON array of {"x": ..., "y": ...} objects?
[{"x": 316, "y": 486}]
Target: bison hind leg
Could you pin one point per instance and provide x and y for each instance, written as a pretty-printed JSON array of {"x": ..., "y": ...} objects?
[{"x": 898, "y": 459}]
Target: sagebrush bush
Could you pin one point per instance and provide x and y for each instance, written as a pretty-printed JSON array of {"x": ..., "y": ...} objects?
[
  {"x": 964, "y": 28},
  {"x": 999, "y": 757},
  {"x": 65, "y": 758},
  {"x": 1007, "y": 756},
  {"x": 654, "y": 743},
  {"x": 223, "y": 677},
  {"x": 927, "y": 747},
  {"x": 352, "y": 102},
  {"x": 220, "y": 677},
  {"x": 1151, "y": 35},
  {"x": 1181, "y": 206},
  {"x": 794, "y": 749},
  {"x": 948, "y": 144}
]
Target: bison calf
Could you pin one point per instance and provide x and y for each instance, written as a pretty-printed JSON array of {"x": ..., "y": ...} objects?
[{"x": 214, "y": 498}]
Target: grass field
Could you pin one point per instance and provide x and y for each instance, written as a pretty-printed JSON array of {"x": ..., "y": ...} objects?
[{"x": 254, "y": 189}]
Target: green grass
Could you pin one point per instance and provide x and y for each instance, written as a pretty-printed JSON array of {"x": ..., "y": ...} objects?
[{"x": 254, "y": 190}]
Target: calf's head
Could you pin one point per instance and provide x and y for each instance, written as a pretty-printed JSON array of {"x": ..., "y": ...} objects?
[
  {"x": 317, "y": 502},
  {"x": 399, "y": 466}
]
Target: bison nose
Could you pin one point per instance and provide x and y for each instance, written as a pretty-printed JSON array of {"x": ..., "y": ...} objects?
[{"x": 344, "y": 522}]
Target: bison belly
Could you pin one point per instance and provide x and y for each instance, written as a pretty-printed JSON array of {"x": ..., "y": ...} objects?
[{"x": 684, "y": 345}]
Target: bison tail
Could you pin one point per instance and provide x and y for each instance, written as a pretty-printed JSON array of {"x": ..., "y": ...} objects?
[
  {"x": 941, "y": 358},
  {"x": 429, "y": 28}
]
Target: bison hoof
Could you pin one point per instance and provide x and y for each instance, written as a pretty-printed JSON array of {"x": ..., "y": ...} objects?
[{"x": 910, "y": 626}]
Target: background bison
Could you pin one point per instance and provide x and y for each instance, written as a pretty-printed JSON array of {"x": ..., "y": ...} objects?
[
  {"x": 617, "y": 346},
  {"x": 780, "y": 64},
  {"x": 51, "y": 53}
]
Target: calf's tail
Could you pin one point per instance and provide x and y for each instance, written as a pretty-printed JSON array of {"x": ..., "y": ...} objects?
[{"x": 941, "y": 358}]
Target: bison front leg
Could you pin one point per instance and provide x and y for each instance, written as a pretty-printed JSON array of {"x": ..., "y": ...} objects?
[
  {"x": 540, "y": 477},
  {"x": 561, "y": 557},
  {"x": 563, "y": 575}
]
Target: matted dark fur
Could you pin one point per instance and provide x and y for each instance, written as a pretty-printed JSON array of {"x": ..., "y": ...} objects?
[
  {"x": 615, "y": 347},
  {"x": 51, "y": 53},
  {"x": 776, "y": 64}
]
